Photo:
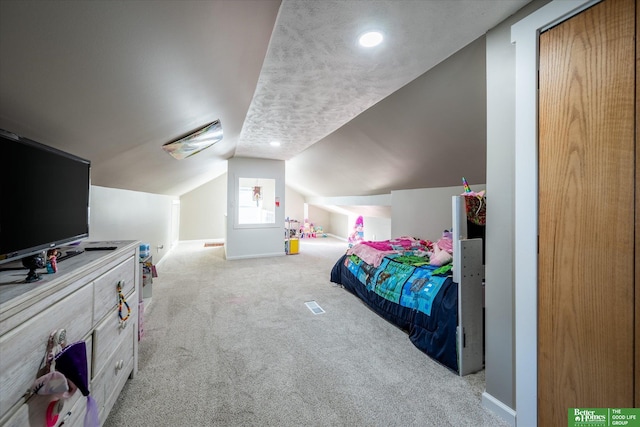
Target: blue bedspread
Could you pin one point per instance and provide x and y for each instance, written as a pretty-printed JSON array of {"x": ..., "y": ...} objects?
[
  {"x": 410, "y": 286},
  {"x": 412, "y": 298}
]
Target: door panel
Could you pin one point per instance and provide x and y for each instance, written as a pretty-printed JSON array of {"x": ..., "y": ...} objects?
[
  {"x": 637, "y": 227},
  {"x": 586, "y": 212}
]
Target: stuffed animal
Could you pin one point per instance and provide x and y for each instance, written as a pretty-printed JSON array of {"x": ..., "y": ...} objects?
[{"x": 442, "y": 250}]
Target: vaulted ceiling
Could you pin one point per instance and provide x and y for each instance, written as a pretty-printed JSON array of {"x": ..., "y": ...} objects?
[{"x": 112, "y": 81}]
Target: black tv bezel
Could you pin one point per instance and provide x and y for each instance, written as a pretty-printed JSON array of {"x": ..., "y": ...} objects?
[{"x": 17, "y": 255}]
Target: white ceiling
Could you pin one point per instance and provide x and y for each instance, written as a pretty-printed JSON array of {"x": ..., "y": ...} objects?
[{"x": 111, "y": 81}]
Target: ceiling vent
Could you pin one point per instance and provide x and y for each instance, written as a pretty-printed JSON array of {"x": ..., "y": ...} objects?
[{"x": 195, "y": 142}]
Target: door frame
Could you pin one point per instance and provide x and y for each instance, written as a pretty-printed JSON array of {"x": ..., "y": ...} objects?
[{"x": 524, "y": 34}]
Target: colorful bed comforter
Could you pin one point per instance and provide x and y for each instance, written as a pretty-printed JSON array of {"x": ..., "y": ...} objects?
[
  {"x": 408, "y": 292},
  {"x": 399, "y": 280}
]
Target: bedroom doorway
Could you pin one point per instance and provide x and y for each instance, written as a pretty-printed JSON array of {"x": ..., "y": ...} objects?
[{"x": 587, "y": 282}]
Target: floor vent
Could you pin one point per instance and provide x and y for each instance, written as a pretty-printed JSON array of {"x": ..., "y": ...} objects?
[{"x": 314, "y": 307}]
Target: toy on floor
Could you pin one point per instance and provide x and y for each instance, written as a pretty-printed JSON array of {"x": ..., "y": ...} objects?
[
  {"x": 319, "y": 231},
  {"x": 357, "y": 235},
  {"x": 307, "y": 229}
]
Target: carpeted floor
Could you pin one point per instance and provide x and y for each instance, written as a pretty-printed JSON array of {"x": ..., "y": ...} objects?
[{"x": 232, "y": 343}]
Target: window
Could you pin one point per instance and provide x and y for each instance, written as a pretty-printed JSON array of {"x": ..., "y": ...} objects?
[{"x": 256, "y": 201}]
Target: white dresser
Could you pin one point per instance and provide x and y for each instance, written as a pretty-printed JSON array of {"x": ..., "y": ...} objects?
[{"x": 82, "y": 298}]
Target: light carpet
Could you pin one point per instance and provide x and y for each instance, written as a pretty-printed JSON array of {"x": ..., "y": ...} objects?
[{"x": 232, "y": 343}]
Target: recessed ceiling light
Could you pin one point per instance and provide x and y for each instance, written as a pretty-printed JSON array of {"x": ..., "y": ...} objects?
[
  {"x": 275, "y": 143},
  {"x": 371, "y": 39}
]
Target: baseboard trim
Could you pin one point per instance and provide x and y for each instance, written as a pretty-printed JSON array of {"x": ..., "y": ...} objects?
[
  {"x": 267, "y": 255},
  {"x": 500, "y": 409}
]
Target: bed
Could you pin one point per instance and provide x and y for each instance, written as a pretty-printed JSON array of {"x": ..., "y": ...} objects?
[{"x": 440, "y": 307}]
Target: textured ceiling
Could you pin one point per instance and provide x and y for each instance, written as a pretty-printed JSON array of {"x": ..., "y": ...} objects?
[
  {"x": 316, "y": 77},
  {"x": 112, "y": 81},
  {"x": 429, "y": 133}
]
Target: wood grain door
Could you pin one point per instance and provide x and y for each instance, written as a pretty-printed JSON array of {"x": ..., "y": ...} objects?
[
  {"x": 586, "y": 212},
  {"x": 637, "y": 226}
]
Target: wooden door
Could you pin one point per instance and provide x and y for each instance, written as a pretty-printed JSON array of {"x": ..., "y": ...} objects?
[
  {"x": 586, "y": 212},
  {"x": 637, "y": 226}
]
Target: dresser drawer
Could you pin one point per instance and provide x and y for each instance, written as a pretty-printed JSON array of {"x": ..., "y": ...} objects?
[
  {"x": 23, "y": 348},
  {"x": 73, "y": 408},
  {"x": 108, "y": 383},
  {"x": 74, "y": 411},
  {"x": 111, "y": 332},
  {"x": 36, "y": 406},
  {"x": 19, "y": 419},
  {"x": 76, "y": 404},
  {"x": 105, "y": 288}
]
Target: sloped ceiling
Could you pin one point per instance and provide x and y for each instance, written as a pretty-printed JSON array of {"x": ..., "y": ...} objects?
[{"x": 111, "y": 81}]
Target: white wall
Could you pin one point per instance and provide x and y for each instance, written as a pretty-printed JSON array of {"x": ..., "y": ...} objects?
[
  {"x": 339, "y": 225},
  {"x": 499, "y": 257},
  {"x": 131, "y": 215},
  {"x": 319, "y": 217},
  {"x": 294, "y": 208},
  {"x": 342, "y": 225},
  {"x": 375, "y": 228},
  {"x": 258, "y": 241},
  {"x": 425, "y": 212},
  {"x": 202, "y": 211}
]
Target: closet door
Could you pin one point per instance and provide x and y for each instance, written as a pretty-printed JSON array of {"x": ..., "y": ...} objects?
[
  {"x": 586, "y": 212},
  {"x": 637, "y": 226}
]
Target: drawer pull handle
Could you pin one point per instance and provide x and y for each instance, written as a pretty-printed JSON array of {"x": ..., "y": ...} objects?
[
  {"x": 119, "y": 364},
  {"x": 121, "y": 301}
]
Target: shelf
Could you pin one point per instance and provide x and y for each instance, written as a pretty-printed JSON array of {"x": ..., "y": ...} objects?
[{"x": 291, "y": 240}]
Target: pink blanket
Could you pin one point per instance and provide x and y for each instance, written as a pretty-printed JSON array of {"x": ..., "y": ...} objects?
[
  {"x": 394, "y": 244},
  {"x": 373, "y": 252}
]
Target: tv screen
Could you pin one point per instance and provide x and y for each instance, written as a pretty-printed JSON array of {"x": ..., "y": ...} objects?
[{"x": 44, "y": 197}]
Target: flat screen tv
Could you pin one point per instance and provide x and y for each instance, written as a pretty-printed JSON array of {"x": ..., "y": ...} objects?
[{"x": 44, "y": 197}]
